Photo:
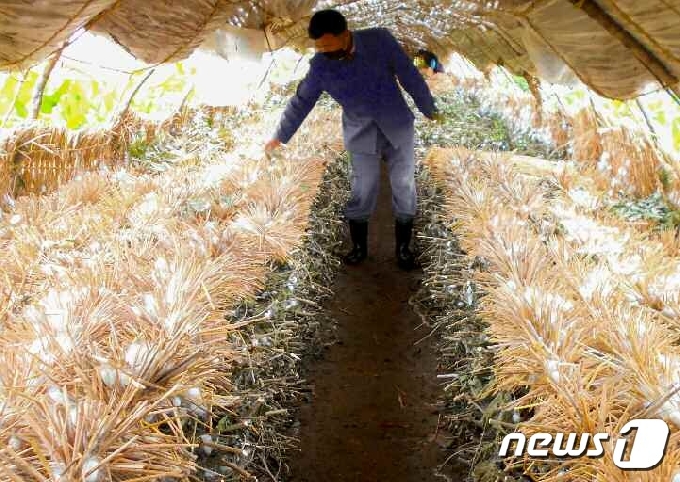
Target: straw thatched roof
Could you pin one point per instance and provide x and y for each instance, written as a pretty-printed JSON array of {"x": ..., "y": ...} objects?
[{"x": 620, "y": 48}]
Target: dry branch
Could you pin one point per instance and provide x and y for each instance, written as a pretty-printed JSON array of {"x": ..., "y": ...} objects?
[{"x": 40, "y": 85}]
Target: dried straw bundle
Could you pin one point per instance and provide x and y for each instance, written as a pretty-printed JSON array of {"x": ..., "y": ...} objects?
[
  {"x": 632, "y": 163},
  {"x": 564, "y": 309},
  {"x": 117, "y": 287},
  {"x": 619, "y": 160},
  {"x": 31, "y": 155},
  {"x": 442, "y": 83},
  {"x": 604, "y": 415},
  {"x": 558, "y": 126},
  {"x": 277, "y": 201},
  {"x": 40, "y": 159},
  {"x": 37, "y": 159}
]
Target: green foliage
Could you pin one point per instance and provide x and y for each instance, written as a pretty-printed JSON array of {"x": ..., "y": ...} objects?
[
  {"x": 675, "y": 132},
  {"x": 138, "y": 148},
  {"x": 155, "y": 93},
  {"x": 672, "y": 221},
  {"x": 8, "y": 88},
  {"x": 576, "y": 96},
  {"x": 225, "y": 134},
  {"x": 50, "y": 101},
  {"x": 521, "y": 83},
  {"x": 622, "y": 109},
  {"x": 15, "y": 95},
  {"x": 23, "y": 104},
  {"x": 229, "y": 424},
  {"x": 75, "y": 105},
  {"x": 657, "y": 111},
  {"x": 75, "y": 98},
  {"x": 653, "y": 208}
]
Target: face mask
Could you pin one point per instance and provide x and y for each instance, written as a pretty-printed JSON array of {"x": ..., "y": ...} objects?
[
  {"x": 340, "y": 53},
  {"x": 336, "y": 54}
]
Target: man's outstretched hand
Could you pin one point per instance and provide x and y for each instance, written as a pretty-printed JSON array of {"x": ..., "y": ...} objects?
[{"x": 271, "y": 146}]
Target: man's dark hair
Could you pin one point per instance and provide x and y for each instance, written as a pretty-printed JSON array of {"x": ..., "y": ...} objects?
[{"x": 326, "y": 21}]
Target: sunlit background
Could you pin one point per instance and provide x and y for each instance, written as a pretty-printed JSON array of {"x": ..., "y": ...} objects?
[{"x": 94, "y": 75}]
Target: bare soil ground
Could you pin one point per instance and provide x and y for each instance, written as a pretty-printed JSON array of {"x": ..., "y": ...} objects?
[{"x": 373, "y": 414}]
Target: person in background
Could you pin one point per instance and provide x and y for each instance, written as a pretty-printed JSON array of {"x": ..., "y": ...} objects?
[
  {"x": 428, "y": 63},
  {"x": 360, "y": 70}
]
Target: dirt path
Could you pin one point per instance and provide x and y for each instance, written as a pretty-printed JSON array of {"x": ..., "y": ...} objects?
[{"x": 373, "y": 415}]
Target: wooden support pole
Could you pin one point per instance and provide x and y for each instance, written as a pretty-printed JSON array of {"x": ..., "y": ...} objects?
[
  {"x": 601, "y": 120},
  {"x": 648, "y": 121},
  {"x": 185, "y": 98},
  {"x": 653, "y": 64},
  {"x": 535, "y": 89},
  {"x": 39, "y": 88},
  {"x": 126, "y": 106},
  {"x": 655, "y": 140},
  {"x": 673, "y": 95}
]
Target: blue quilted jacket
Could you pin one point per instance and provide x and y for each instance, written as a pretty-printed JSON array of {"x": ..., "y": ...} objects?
[{"x": 366, "y": 87}]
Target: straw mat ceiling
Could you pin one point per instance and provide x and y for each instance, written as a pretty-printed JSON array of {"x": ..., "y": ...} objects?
[{"x": 620, "y": 48}]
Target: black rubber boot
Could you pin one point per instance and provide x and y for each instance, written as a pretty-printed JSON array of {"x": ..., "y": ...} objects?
[
  {"x": 402, "y": 232},
  {"x": 358, "y": 230}
]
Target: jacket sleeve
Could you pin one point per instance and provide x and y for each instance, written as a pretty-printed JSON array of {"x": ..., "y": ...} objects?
[
  {"x": 308, "y": 92},
  {"x": 408, "y": 75}
]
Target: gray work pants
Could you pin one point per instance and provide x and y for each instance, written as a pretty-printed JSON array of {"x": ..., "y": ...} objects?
[{"x": 365, "y": 179}]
